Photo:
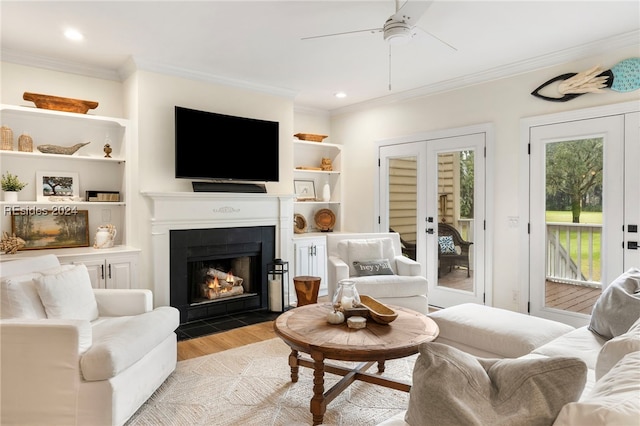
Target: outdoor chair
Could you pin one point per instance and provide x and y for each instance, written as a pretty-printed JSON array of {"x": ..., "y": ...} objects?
[{"x": 453, "y": 250}]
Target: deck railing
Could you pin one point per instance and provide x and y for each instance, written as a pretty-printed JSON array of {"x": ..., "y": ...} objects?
[{"x": 573, "y": 253}]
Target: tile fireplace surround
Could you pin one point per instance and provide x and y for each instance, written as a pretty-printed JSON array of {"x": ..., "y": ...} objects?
[{"x": 204, "y": 210}]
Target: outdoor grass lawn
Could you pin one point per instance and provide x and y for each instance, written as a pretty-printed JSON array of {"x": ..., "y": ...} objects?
[{"x": 585, "y": 218}]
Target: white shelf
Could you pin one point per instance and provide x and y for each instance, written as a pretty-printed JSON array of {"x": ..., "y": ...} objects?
[
  {"x": 36, "y": 154},
  {"x": 95, "y": 171}
]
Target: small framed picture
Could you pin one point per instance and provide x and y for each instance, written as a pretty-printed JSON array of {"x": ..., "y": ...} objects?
[
  {"x": 60, "y": 227},
  {"x": 305, "y": 190},
  {"x": 57, "y": 186}
]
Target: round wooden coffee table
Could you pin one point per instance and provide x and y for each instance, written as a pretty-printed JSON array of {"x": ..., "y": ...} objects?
[{"x": 305, "y": 329}]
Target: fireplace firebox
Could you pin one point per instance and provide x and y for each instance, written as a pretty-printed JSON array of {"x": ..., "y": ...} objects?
[{"x": 220, "y": 271}]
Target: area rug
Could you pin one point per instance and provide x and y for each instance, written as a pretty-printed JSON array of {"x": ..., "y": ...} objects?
[{"x": 251, "y": 385}]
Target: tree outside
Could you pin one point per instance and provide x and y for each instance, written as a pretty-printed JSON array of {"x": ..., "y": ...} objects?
[{"x": 574, "y": 176}]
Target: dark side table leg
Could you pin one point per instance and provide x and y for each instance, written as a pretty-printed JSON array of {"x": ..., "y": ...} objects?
[
  {"x": 293, "y": 363},
  {"x": 381, "y": 366},
  {"x": 318, "y": 406}
]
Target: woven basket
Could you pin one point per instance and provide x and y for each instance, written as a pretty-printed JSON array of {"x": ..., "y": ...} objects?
[
  {"x": 310, "y": 137},
  {"x": 379, "y": 312}
]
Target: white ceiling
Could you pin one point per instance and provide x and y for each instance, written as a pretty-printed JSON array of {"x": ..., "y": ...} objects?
[{"x": 258, "y": 44}]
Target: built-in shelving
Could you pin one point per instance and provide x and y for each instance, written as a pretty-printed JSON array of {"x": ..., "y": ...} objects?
[{"x": 95, "y": 172}]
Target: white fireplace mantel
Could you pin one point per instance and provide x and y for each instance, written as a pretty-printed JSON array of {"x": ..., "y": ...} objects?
[{"x": 203, "y": 210}]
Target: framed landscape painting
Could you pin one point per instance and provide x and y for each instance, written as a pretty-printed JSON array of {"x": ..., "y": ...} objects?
[
  {"x": 57, "y": 186},
  {"x": 53, "y": 228}
]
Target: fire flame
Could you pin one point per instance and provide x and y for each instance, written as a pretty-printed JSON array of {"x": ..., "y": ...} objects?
[
  {"x": 214, "y": 283},
  {"x": 229, "y": 278}
]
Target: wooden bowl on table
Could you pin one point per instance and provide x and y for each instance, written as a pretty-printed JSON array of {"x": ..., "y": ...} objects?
[{"x": 379, "y": 312}]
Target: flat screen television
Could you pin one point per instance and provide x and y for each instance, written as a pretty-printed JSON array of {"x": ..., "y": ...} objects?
[{"x": 218, "y": 147}]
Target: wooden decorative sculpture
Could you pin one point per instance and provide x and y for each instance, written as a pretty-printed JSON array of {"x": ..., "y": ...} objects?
[
  {"x": 623, "y": 77},
  {"x": 64, "y": 150}
]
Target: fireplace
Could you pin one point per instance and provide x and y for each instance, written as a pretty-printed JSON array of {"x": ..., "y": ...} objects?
[
  {"x": 220, "y": 271},
  {"x": 203, "y": 213}
]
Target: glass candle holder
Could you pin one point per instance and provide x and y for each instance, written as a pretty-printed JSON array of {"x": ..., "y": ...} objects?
[{"x": 346, "y": 295}]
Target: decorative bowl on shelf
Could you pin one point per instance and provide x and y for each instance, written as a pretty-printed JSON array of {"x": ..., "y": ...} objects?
[
  {"x": 325, "y": 220},
  {"x": 379, "y": 312},
  {"x": 60, "y": 104},
  {"x": 310, "y": 137},
  {"x": 299, "y": 224}
]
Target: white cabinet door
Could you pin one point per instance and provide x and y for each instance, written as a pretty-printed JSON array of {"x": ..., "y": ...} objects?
[
  {"x": 112, "y": 271},
  {"x": 311, "y": 260}
]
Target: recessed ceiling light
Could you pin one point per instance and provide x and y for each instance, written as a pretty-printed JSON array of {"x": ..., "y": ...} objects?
[
  {"x": 340, "y": 95},
  {"x": 73, "y": 34}
]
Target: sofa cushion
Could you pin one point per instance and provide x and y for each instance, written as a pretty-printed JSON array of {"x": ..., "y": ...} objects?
[
  {"x": 119, "y": 342},
  {"x": 494, "y": 330},
  {"x": 451, "y": 387},
  {"x": 362, "y": 250},
  {"x": 614, "y": 399},
  {"x": 372, "y": 267},
  {"x": 580, "y": 343},
  {"x": 391, "y": 285},
  {"x": 362, "y": 245},
  {"x": 618, "y": 306},
  {"x": 615, "y": 349},
  {"x": 68, "y": 294},
  {"x": 19, "y": 298}
]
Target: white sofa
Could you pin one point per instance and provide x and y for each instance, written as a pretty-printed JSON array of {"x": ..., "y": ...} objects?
[
  {"x": 608, "y": 349},
  {"x": 72, "y": 355},
  {"x": 406, "y": 287}
]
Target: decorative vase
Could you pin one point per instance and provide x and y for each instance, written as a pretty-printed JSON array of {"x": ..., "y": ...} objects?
[
  {"x": 6, "y": 138},
  {"x": 346, "y": 295},
  {"x": 326, "y": 192},
  {"x": 11, "y": 196},
  {"x": 105, "y": 236}
]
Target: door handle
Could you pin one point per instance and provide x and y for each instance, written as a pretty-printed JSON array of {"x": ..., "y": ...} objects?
[
  {"x": 632, "y": 245},
  {"x": 109, "y": 271},
  {"x": 102, "y": 271},
  {"x": 429, "y": 230}
]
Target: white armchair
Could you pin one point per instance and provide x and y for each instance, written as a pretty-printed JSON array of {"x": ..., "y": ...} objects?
[
  {"x": 72, "y": 355},
  {"x": 403, "y": 286}
]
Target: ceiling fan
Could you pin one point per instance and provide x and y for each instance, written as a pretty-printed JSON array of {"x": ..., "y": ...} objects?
[{"x": 400, "y": 28}]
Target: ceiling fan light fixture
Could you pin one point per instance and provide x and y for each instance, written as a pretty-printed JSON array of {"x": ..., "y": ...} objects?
[{"x": 396, "y": 32}]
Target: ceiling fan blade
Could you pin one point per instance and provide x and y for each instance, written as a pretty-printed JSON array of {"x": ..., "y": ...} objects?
[
  {"x": 346, "y": 33},
  {"x": 411, "y": 11},
  {"x": 421, "y": 33}
]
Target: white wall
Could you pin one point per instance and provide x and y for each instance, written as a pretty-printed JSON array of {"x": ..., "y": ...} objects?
[
  {"x": 16, "y": 79},
  {"x": 502, "y": 102},
  {"x": 156, "y": 96}
]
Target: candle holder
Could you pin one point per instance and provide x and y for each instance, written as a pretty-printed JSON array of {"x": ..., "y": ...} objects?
[
  {"x": 278, "y": 279},
  {"x": 346, "y": 296}
]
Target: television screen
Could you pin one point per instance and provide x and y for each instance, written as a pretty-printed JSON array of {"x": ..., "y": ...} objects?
[{"x": 222, "y": 147}]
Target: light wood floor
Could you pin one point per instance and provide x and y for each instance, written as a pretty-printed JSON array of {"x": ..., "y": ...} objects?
[{"x": 219, "y": 342}]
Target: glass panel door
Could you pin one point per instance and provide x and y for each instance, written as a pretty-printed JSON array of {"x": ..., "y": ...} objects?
[{"x": 576, "y": 215}]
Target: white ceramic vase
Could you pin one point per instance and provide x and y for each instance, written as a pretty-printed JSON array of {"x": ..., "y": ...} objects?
[
  {"x": 326, "y": 192},
  {"x": 11, "y": 196}
]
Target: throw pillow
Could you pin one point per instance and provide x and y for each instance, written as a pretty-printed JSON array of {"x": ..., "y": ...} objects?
[
  {"x": 451, "y": 387},
  {"x": 68, "y": 294},
  {"x": 615, "y": 349},
  {"x": 612, "y": 401},
  {"x": 618, "y": 307},
  {"x": 19, "y": 298},
  {"x": 372, "y": 267},
  {"x": 361, "y": 250},
  {"x": 446, "y": 245}
]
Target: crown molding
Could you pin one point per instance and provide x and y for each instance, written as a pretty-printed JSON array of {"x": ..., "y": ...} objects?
[
  {"x": 544, "y": 61},
  {"x": 137, "y": 64},
  {"x": 39, "y": 61}
]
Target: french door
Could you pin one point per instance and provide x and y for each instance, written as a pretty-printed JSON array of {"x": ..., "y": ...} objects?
[
  {"x": 583, "y": 212},
  {"x": 427, "y": 186}
]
